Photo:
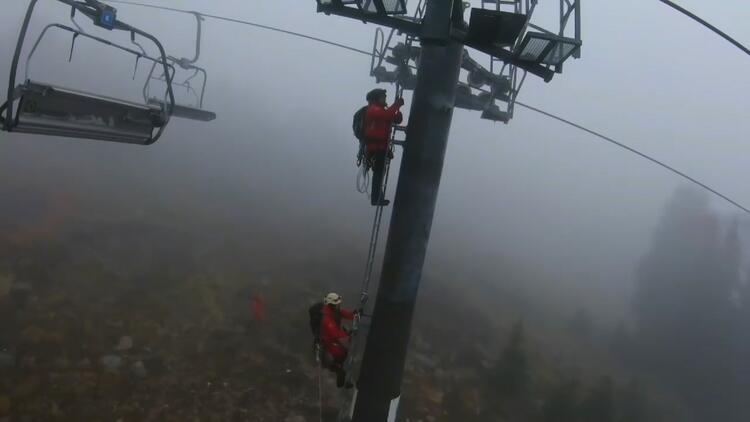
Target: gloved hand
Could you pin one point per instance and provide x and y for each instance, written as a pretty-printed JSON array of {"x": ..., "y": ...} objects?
[{"x": 400, "y": 101}]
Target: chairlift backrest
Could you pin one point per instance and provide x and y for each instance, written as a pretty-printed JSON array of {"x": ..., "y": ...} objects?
[{"x": 57, "y": 111}]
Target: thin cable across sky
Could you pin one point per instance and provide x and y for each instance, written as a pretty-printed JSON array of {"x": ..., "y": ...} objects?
[
  {"x": 707, "y": 25},
  {"x": 526, "y": 106}
]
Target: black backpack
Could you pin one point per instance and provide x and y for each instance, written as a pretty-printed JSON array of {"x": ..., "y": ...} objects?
[
  {"x": 316, "y": 318},
  {"x": 358, "y": 123},
  {"x": 358, "y": 126}
]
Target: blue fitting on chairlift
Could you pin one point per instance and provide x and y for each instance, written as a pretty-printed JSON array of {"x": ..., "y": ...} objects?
[{"x": 107, "y": 19}]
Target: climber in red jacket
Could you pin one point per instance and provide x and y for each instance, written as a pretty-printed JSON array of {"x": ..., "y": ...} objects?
[
  {"x": 334, "y": 338},
  {"x": 378, "y": 122}
]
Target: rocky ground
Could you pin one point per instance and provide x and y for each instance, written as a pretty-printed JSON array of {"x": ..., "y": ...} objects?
[
  {"x": 106, "y": 324},
  {"x": 125, "y": 321}
]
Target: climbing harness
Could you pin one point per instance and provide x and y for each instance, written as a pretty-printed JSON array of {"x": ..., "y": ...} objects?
[
  {"x": 50, "y": 110},
  {"x": 319, "y": 361}
]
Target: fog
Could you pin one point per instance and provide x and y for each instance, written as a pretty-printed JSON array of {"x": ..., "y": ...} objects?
[{"x": 535, "y": 208}]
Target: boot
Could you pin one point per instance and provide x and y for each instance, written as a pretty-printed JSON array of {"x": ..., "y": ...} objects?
[
  {"x": 341, "y": 382},
  {"x": 383, "y": 203}
]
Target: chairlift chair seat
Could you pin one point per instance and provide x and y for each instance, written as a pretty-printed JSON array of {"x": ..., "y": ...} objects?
[{"x": 48, "y": 110}]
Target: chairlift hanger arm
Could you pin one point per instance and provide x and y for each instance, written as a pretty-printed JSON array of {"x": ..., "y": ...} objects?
[
  {"x": 184, "y": 62},
  {"x": 198, "y": 37}
]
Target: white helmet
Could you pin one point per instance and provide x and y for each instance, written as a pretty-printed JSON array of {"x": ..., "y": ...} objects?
[{"x": 332, "y": 299}]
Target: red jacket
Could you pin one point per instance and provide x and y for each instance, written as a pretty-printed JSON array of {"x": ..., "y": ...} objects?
[
  {"x": 257, "y": 306},
  {"x": 378, "y": 122},
  {"x": 331, "y": 332}
]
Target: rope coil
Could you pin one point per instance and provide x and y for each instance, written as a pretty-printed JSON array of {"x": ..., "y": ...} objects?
[{"x": 363, "y": 178}]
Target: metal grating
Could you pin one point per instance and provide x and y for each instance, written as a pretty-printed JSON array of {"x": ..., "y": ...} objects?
[
  {"x": 357, "y": 3},
  {"x": 559, "y": 53},
  {"x": 493, "y": 27},
  {"x": 392, "y": 7},
  {"x": 370, "y": 6},
  {"x": 533, "y": 49},
  {"x": 395, "y": 7}
]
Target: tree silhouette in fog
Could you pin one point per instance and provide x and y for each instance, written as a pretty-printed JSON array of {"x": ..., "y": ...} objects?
[
  {"x": 512, "y": 372},
  {"x": 599, "y": 403},
  {"x": 685, "y": 313}
]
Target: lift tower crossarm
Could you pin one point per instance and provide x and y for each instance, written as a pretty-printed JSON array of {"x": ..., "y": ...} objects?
[
  {"x": 402, "y": 25},
  {"x": 412, "y": 28}
]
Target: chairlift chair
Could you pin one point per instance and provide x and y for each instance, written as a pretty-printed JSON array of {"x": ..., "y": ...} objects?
[
  {"x": 45, "y": 109},
  {"x": 184, "y": 110}
]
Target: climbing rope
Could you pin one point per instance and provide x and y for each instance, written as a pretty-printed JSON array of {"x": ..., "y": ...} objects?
[
  {"x": 375, "y": 233},
  {"x": 320, "y": 382},
  {"x": 347, "y": 365},
  {"x": 363, "y": 178}
]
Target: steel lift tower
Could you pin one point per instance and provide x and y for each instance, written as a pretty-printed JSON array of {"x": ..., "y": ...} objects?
[{"x": 440, "y": 27}]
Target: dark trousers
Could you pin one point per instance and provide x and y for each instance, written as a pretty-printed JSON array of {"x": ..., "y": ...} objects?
[
  {"x": 378, "y": 169},
  {"x": 336, "y": 366},
  {"x": 338, "y": 369}
]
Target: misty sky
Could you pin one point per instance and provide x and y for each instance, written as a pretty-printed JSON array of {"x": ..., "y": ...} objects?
[{"x": 535, "y": 190}]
